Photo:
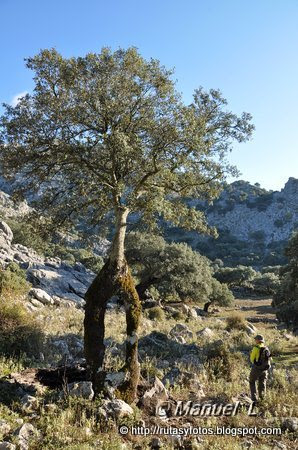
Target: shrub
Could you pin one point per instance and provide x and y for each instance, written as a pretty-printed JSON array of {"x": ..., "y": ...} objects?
[
  {"x": 156, "y": 313},
  {"x": 236, "y": 322},
  {"x": 219, "y": 362},
  {"x": 24, "y": 233},
  {"x": 235, "y": 276},
  {"x": 13, "y": 281},
  {"x": 19, "y": 333}
]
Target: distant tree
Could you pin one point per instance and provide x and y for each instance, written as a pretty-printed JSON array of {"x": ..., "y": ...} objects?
[
  {"x": 286, "y": 297},
  {"x": 265, "y": 283},
  {"x": 220, "y": 295},
  {"x": 108, "y": 134},
  {"x": 175, "y": 270},
  {"x": 239, "y": 276}
]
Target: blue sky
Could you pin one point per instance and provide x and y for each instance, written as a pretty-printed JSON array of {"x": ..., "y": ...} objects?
[{"x": 248, "y": 49}]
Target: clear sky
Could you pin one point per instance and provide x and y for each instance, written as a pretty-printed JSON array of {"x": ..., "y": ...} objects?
[{"x": 246, "y": 48}]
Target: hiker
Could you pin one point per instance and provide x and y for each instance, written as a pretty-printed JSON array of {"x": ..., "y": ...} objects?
[{"x": 260, "y": 359}]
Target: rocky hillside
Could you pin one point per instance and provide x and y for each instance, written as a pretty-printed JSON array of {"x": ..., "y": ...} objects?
[
  {"x": 253, "y": 224},
  {"x": 54, "y": 281}
]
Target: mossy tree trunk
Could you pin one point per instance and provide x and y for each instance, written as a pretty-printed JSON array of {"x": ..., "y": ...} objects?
[{"x": 114, "y": 278}]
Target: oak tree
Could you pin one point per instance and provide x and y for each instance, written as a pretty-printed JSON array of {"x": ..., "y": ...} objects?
[{"x": 108, "y": 134}]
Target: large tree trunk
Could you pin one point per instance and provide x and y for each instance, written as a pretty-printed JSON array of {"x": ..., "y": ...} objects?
[{"x": 114, "y": 278}]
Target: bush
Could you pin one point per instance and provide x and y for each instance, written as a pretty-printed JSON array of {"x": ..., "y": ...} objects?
[
  {"x": 24, "y": 233},
  {"x": 219, "y": 362},
  {"x": 19, "y": 333},
  {"x": 13, "y": 281},
  {"x": 156, "y": 313},
  {"x": 236, "y": 322}
]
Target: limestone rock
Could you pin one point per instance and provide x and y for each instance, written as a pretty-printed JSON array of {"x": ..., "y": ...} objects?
[
  {"x": 24, "y": 434},
  {"x": 41, "y": 296},
  {"x": 205, "y": 333},
  {"x": 290, "y": 423},
  {"x": 117, "y": 408},
  {"x": 81, "y": 389},
  {"x": 7, "y": 446},
  {"x": 180, "y": 329},
  {"x": 4, "y": 427}
]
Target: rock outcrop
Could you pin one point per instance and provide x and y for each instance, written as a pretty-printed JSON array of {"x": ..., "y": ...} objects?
[{"x": 53, "y": 280}]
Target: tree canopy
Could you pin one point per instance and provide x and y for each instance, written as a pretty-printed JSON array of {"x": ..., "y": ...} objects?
[{"x": 109, "y": 130}]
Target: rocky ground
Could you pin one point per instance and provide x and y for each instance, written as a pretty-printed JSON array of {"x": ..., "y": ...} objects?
[
  {"x": 185, "y": 355},
  {"x": 181, "y": 359}
]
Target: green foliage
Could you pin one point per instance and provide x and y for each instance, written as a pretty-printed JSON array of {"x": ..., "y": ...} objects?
[
  {"x": 156, "y": 313},
  {"x": 221, "y": 294},
  {"x": 13, "y": 281},
  {"x": 19, "y": 333},
  {"x": 27, "y": 234},
  {"x": 174, "y": 269},
  {"x": 265, "y": 283},
  {"x": 219, "y": 363},
  {"x": 286, "y": 296},
  {"x": 235, "y": 276},
  {"x": 72, "y": 255},
  {"x": 112, "y": 129}
]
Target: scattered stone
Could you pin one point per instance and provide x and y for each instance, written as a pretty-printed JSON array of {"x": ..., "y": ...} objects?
[
  {"x": 193, "y": 313},
  {"x": 158, "y": 392},
  {"x": 249, "y": 330},
  {"x": 279, "y": 446},
  {"x": 179, "y": 339},
  {"x": 288, "y": 336},
  {"x": 155, "y": 443},
  {"x": 201, "y": 312},
  {"x": 5, "y": 231},
  {"x": 114, "y": 379},
  {"x": 29, "y": 402},
  {"x": 290, "y": 423},
  {"x": 62, "y": 347},
  {"x": 117, "y": 408},
  {"x": 36, "y": 303},
  {"x": 24, "y": 434},
  {"x": 42, "y": 296},
  {"x": 162, "y": 364},
  {"x": 81, "y": 389},
  {"x": 205, "y": 333},
  {"x": 7, "y": 446},
  {"x": 180, "y": 329},
  {"x": 4, "y": 427}
]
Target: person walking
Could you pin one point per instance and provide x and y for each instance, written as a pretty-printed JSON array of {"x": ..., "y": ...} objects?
[{"x": 260, "y": 359}]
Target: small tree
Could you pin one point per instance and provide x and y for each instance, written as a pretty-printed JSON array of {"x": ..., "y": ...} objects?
[
  {"x": 236, "y": 276},
  {"x": 174, "y": 269},
  {"x": 109, "y": 134},
  {"x": 220, "y": 295}
]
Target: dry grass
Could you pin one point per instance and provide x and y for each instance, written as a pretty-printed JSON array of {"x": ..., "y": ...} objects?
[{"x": 74, "y": 425}]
